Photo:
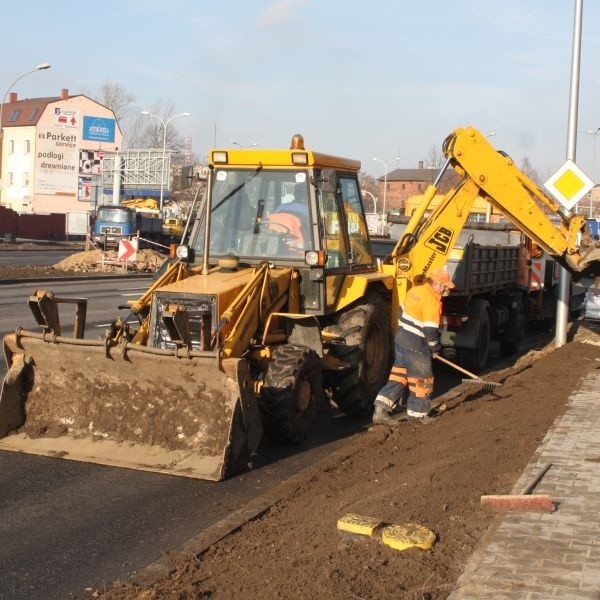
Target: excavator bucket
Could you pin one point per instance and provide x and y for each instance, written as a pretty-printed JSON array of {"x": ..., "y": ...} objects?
[{"x": 129, "y": 406}]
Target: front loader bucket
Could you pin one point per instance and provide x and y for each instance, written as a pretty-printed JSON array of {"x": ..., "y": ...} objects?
[{"x": 128, "y": 406}]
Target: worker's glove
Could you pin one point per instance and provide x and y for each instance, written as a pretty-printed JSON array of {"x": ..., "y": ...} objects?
[{"x": 435, "y": 349}]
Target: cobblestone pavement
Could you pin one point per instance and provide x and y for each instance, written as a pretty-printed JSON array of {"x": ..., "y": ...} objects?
[{"x": 531, "y": 556}]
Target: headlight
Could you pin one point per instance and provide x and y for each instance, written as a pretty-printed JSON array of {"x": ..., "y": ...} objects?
[
  {"x": 219, "y": 156},
  {"x": 182, "y": 252},
  {"x": 314, "y": 258}
]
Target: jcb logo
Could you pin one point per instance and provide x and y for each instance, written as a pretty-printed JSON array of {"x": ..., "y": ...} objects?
[{"x": 441, "y": 240}]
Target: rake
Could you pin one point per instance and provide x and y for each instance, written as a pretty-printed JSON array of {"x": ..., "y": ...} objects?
[
  {"x": 473, "y": 379},
  {"x": 527, "y": 501}
]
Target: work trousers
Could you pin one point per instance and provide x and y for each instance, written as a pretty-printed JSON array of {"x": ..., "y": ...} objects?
[{"x": 412, "y": 370}]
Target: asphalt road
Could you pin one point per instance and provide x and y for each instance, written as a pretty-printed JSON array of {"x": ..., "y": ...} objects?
[
  {"x": 66, "y": 526},
  {"x": 39, "y": 257}
]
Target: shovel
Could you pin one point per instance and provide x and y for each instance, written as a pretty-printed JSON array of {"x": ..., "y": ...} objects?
[{"x": 473, "y": 379}]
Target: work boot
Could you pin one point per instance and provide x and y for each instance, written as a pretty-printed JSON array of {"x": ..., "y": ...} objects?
[{"x": 381, "y": 416}]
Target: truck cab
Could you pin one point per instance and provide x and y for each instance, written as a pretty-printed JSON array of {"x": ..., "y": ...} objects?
[{"x": 112, "y": 224}]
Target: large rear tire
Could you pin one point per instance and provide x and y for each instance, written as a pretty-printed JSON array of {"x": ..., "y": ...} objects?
[
  {"x": 512, "y": 340},
  {"x": 475, "y": 359},
  {"x": 291, "y": 394},
  {"x": 368, "y": 351}
]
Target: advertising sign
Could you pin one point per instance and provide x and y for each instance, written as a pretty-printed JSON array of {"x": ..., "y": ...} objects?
[
  {"x": 56, "y": 161},
  {"x": 64, "y": 117},
  {"x": 98, "y": 129}
]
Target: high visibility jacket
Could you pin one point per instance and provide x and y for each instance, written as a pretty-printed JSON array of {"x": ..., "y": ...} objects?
[{"x": 419, "y": 321}]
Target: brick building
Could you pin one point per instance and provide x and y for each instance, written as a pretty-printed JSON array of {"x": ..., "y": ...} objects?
[
  {"x": 51, "y": 151},
  {"x": 404, "y": 183}
]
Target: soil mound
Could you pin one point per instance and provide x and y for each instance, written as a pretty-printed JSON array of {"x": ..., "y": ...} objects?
[
  {"x": 429, "y": 474},
  {"x": 98, "y": 261}
]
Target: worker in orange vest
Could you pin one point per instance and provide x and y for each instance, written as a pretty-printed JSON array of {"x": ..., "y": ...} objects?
[{"x": 417, "y": 340}]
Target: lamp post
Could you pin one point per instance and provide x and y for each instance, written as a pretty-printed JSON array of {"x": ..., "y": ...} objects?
[
  {"x": 40, "y": 67},
  {"x": 165, "y": 124},
  {"x": 385, "y": 181},
  {"x": 594, "y": 134}
]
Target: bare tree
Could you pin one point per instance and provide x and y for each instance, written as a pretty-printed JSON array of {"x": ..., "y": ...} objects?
[
  {"x": 117, "y": 98},
  {"x": 434, "y": 158},
  {"x": 368, "y": 183},
  {"x": 139, "y": 131},
  {"x": 528, "y": 169},
  {"x": 152, "y": 130}
]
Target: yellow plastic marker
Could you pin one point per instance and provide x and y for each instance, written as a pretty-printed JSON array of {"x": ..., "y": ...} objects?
[
  {"x": 359, "y": 524},
  {"x": 409, "y": 535}
]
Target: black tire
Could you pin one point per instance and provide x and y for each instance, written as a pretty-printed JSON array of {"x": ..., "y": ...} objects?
[
  {"x": 475, "y": 359},
  {"x": 291, "y": 394},
  {"x": 515, "y": 332},
  {"x": 368, "y": 350}
]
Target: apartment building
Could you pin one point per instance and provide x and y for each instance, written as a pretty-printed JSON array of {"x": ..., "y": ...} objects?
[{"x": 51, "y": 152}]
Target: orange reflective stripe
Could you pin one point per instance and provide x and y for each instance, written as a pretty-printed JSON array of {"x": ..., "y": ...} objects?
[
  {"x": 421, "y": 387},
  {"x": 397, "y": 378}
]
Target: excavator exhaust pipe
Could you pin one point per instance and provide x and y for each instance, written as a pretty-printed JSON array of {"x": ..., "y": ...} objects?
[{"x": 91, "y": 401}]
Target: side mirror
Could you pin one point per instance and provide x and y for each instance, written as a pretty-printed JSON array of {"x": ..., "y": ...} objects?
[{"x": 329, "y": 181}]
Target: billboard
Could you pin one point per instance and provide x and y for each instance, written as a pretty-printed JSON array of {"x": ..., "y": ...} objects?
[
  {"x": 98, "y": 129},
  {"x": 56, "y": 161}
]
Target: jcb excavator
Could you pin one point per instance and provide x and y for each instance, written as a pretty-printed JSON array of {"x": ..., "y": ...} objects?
[{"x": 275, "y": 303}]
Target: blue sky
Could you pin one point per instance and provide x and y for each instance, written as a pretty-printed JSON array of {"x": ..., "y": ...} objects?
[{"x": 360, "y": 79}]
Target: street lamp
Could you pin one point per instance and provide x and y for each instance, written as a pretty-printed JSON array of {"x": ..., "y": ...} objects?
[
  {"x": 40, "y": 67},
  {"x": 241, "y": 145},
  {"x": 372, "y": 198},
  {"x": 165, "y": 125},
  {"x": 385, "y": 180}
]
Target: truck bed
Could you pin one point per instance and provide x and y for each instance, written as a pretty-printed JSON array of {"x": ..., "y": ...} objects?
[{"x": 485, "y": 258}]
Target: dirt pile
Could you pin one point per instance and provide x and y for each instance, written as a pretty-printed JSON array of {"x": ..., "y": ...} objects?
[
  {"x": 98, "y": 261},
  {"x": 431, "y": 474},
  {"x": 84, "y": 263}
]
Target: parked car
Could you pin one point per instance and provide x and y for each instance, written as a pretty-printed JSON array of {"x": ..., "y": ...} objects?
[{"x": 591, "y": 305}]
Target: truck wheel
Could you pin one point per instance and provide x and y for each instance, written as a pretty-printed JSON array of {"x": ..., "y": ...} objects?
[
  {"x": 475, "y": 359},
  {"x": 515, "y": 332},
  {"x": 368, "y": 351},
  {"x": 291, "y": 394}
]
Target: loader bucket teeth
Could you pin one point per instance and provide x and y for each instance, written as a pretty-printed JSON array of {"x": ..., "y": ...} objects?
[{"x": 141, "y": 409}]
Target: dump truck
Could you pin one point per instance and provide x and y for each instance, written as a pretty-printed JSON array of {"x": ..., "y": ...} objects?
[
  {"x": 276, "y": 304},
  {"x": 503, "y": 283}
]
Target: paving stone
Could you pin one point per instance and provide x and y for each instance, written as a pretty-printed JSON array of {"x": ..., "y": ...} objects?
[{"x": 539, "y": 556}]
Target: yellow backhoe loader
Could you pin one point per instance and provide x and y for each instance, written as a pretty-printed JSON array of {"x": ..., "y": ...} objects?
[{"x": 276, "y": 303}]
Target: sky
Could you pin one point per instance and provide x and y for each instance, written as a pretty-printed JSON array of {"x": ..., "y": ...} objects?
[{"x": 387, "y": 79}]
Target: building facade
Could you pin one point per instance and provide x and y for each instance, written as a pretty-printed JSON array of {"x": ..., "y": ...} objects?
[
  {"x": 51, "y": 152},
  {"x": 402, "y": 184}
]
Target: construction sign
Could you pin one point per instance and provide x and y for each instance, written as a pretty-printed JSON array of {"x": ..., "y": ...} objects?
[
  {"x": 127, "y": 250},
  {"x": 569, "y": 184}
]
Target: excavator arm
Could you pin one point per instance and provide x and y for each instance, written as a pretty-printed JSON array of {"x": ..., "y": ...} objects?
[{"x": 493, "y": 176}]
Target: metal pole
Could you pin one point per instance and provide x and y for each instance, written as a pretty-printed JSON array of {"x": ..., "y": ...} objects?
[
  {"x": 595, "y": 135},
  {"x": 562, "y": 305},
  {"x": 385, "y": 189},
  {"x": 162, "y": 171}
]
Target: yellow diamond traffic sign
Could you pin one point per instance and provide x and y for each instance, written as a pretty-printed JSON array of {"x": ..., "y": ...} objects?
[{"x": 569, "y": 184}]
